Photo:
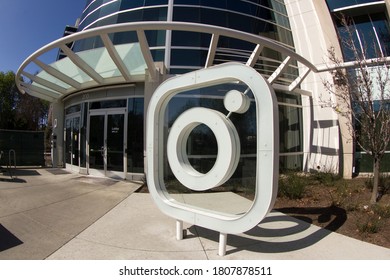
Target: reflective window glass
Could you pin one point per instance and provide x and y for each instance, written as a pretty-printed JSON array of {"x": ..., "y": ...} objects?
[
  {"x": 131, "y": 4},
  {"x": 73, "y": 109},
  {"x": 104, "y": 104},
  {"x": 369, "y": 33},
  {"x": 336, "y": 4},
  {"x": 135, "y": 136},
  {"x": 187, "y": 57},
  {"x": 182, "y": 38},
  {"x": 155, "y": 2}
]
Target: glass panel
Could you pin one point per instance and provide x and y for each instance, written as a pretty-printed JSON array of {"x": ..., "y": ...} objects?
[
  {"x": 183, "y": 38},
  {"x": 68, "y": 142},
  {"x": 96, "y": 142},
  {"x": 155, "y": 2},
  {"x": 75, "y": 141},
  {"x": 290, "y": 162},
  {"x": 105, "y": 104},
  {"x": 72, "y": 109},
  {"x": 381, "y": 27},
  {"x": 100, "y": 60},
  {"x": 364, "y": 163},
  {"x": 202, "y": 148},
  {"x": 124, "y": 38},
  {"x": 133, "y": 58},
  {"x": 188, "y": 57},
  {"x": 72, "y": 128},
  {"x": 370, "y": 36},
  {"x": 83, "y": 135},
  {"x": 135, "y": 136},
  {"x": 115, "y": 133},
  {"x": 336, "y": 4},
  {"x": 290, "y": 127},
  {"x": 131, "y": 4}
]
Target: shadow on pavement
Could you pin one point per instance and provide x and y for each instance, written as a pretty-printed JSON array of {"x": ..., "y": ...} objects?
[
  {"x": 7, "y": 239},
  {"x": 288, "y": 233},
  {"x": 11, "y": 175},
  {"x": 13, "y": 180}
]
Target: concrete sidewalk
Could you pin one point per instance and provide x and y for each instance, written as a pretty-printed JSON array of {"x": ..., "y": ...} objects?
[
  {"x": 43, "y": 209},
  {"x": 105, "y": 219},
  {"x": 136, "y": 229}
]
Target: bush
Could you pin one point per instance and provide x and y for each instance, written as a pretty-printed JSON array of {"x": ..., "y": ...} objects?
[
  {"x": 382, "y": 211},
  {"x": 384, "y": 183},
  {"x": 371, "y": 224},
  {"x": 292, "y": 186},
  {"x": 325, "y": 178}
]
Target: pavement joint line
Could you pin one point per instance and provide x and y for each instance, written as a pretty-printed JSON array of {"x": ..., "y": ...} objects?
[
  {"x": 48, "y": 227},
  {"x": 201, "y": 243},
  {"x": 136, "y": 249},
  {"x": 76, "y": 236}
]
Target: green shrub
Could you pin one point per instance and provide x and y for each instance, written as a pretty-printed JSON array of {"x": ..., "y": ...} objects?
[
  {"x": 325, "y": 178},
  {"x": 292, "y": 186}
]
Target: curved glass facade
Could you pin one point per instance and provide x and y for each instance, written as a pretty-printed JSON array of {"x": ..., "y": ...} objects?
[
  {"x": 108, "y": 129},
  {"x": 187, "y": 50}
]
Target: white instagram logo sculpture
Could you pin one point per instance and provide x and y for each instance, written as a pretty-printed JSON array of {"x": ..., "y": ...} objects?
[{"x": 228, "y": 148}]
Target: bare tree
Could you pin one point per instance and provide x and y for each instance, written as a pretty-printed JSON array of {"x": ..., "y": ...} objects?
[{"x": 361, "y": 95}]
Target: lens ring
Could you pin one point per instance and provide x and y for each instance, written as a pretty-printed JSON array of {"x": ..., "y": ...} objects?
[{"x": 228, "y": 148}]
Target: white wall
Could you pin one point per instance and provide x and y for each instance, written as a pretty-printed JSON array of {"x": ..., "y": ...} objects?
[{"x": 314, "y": 34}]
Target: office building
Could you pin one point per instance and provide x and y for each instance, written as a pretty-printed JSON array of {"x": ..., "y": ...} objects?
[{"x": 123, "y": 50}]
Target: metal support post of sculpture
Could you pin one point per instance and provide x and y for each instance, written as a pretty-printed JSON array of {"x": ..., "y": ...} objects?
[{"x": 228, "y": 141}]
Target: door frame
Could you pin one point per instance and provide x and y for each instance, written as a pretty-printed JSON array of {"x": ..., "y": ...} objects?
[{"x": 105, "y": 172}]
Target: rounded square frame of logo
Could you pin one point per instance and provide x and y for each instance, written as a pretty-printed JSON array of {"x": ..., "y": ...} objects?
[{"x": 267, "y": 160}]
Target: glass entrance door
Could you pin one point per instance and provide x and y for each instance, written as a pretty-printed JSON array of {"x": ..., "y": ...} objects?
[
  {"x": 72, "y": 129},
  {"x": 106, "y": 144},
  {"x": 96, "y": 142},
  {"x": 114, "y": 142}
]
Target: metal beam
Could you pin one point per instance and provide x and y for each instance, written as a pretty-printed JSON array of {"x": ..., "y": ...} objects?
[
  {"x": 57, "y": 74},
  {"x": 279, "y": 70},
  {"x": 82, "y": 64},
  {"x": 40, "y": 92},
  {"x": 147, "y": 54},
  {"x": 299, "y": 80},
  {"x": 297, "y": 91},
  {"x": 45, "y": 83},
  {"x": 115, "y": 57},
  {"x": 254, "y": 56},
  {"x": 212, "y": 50}
]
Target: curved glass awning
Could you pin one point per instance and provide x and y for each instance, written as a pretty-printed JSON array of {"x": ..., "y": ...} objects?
[{"x": 129, "y": 63}]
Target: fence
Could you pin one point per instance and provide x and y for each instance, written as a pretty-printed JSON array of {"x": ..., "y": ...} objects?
[{"x": 29, "y": 147}]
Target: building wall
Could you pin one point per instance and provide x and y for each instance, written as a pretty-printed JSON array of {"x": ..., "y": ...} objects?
[{"x": 327, "y": 139}]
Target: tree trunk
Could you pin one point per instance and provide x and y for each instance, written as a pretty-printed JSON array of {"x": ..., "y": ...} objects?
[{"x": 374, "y": 194}]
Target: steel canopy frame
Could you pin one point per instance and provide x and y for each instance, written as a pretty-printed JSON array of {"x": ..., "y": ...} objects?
[{"x": 51, "y": 91}]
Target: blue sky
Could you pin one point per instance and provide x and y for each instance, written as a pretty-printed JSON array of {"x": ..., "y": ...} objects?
[{"x": 28, "y": 25}]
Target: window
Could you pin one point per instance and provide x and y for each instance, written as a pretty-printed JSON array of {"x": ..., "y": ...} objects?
[
  {"x": 337, "y": 4},
  {"x": 104, "y": 104},
  {"x": 135, "y": 136}
]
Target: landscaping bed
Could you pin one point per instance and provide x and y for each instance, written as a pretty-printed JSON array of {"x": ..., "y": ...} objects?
[{"x": 339, "y": 205}]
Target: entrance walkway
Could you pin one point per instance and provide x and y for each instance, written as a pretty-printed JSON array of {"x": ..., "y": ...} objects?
[
  {"x": 52, "y": 214},
  {"x": 43, "y": 209}
]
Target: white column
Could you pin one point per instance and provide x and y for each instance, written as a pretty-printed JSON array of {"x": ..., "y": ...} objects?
[
  {"x": 179, "y": 230},
  {"x": 222, "y": 244}
]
